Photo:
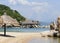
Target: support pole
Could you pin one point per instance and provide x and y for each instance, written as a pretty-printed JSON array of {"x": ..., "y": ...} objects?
[{"x": 4, "y": 29}]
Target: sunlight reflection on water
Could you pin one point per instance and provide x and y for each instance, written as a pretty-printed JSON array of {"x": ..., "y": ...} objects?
[{"x": 45, "y": 40}]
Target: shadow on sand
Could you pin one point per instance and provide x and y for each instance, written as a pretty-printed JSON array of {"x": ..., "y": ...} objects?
[{"x": 7, "y": 35}]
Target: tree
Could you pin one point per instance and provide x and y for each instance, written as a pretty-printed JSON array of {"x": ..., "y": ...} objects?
[{"x": 12, "y": 13}]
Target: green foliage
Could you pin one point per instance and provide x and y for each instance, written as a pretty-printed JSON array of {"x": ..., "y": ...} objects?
[{"x": 12, "y": 13}]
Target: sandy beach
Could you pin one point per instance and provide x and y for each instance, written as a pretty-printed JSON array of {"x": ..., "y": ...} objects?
[{"x": 18, "y": 37}]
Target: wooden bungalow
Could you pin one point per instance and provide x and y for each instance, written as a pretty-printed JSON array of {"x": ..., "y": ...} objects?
[{"x": 29, "y": 23}]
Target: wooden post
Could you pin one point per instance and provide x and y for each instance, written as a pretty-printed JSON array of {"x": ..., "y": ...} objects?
[{"x": 4, "y": 29}]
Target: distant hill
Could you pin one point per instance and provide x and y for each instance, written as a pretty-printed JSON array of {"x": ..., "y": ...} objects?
[{"x": 12, "y": 13}]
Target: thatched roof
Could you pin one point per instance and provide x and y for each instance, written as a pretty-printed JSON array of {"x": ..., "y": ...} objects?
[
  {"x": 29, "y": 22},
  {"x": 9, "y": 20}
]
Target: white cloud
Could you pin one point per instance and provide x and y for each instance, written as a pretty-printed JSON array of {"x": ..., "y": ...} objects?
[
  {"x": 36, "y": 6},
  {"x": 24, "y": 2},
  {"x": 12, "y": 2},
  {"x": 39, "y": 4}
]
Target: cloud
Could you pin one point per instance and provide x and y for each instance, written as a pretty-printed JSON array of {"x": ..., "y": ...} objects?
[
  {"x": 41, "y": 9},
  {"x": 26, "y": 2},
  {"x": 39, "y": 4},
  {"x": 36, "y": 6},
  {"x": 12, "y": 2}
]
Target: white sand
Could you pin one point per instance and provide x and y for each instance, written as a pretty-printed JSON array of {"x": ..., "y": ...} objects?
[
  {"x": 21, "y": 37},
  {"x": 18, "y": 37}
]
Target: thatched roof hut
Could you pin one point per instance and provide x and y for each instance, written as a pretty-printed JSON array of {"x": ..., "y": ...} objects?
[
  {"x": 30, "y": 22},
  {"x": 9, "y": 20}
]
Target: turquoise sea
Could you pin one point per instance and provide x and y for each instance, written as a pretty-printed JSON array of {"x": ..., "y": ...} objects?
[{"x": 18, "y": 29}]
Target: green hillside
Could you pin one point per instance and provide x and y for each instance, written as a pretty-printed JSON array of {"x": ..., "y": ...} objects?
[{"x": 12, "y": 13}]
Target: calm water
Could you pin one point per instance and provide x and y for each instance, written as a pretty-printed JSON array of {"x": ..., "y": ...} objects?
[
  {"x": 18, "y": 29},
  {"x": 44, "y": 40}
]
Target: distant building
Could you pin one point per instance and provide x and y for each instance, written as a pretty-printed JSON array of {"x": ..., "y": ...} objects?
[{"x": 30, "y": 22}]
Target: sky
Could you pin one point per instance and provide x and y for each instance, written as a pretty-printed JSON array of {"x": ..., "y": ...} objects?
[{"x": 41, "y": 10}]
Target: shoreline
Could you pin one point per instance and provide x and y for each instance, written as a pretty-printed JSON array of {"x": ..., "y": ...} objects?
[{"x": 19, "y": 37}]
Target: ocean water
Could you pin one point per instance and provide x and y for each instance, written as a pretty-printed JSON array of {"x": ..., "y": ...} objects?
[
  {"x": 18, "y": 29},
  {"x": 44, "y": 40}
]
